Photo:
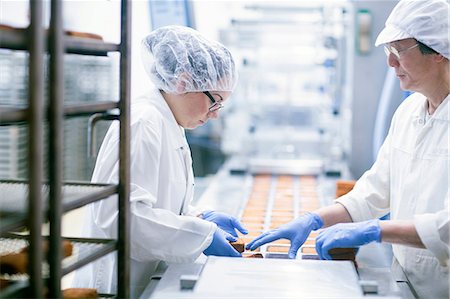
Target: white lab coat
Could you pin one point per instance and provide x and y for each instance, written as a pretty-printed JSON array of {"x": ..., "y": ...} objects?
[
  {"x": 410, "y": 179},
  {"x": 161, "y": 191}
]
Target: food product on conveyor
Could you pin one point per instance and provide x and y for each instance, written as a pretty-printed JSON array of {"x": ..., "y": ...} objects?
[
  {"x": 348, "y": 254},
  {"x": 239, "y": 245},
  {"x": 74, "y": 293},
  {"x": 253, "y": 256}
]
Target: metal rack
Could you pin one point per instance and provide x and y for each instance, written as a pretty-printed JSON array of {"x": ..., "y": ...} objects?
[{"x": 48, "y": 201}]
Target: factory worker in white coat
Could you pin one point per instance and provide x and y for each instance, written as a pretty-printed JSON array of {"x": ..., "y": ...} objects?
[
  {"x": 410, "y": 177},
  {"x": 192, "y": 78}
]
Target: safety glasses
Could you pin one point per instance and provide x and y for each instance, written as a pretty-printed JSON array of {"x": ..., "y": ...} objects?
[
  {"x": 388, "y": 49},
  {"x": 215, "y": 105}
]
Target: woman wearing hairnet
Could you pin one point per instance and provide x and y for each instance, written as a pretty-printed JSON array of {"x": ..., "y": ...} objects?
[
  {"x": 411, "y": 176},
  {"x": 192, "y": 78}
]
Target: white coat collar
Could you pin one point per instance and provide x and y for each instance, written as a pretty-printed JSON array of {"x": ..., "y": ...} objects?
[
  {"x": 177, "y": 132},
  {"x": 441, "y": 113}
]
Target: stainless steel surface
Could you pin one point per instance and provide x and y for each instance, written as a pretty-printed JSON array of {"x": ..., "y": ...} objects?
[
  {"x": 268, "y": 278},
  {"x": 35, "y": 149},
  {"x": 254, "y": 278}
]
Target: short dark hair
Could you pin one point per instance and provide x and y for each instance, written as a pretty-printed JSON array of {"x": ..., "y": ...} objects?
[{"x": 425, "y": 50}]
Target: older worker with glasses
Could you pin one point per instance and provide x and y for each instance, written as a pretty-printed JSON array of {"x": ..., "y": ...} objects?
[
  {"x": 192, "y": 77},
  {"x": 410, "y": 178}
]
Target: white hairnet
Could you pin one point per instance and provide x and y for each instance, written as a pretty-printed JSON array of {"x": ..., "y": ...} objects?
[
  {"x": 179, "y": 60},
  {"x": 424, "y": 20}
]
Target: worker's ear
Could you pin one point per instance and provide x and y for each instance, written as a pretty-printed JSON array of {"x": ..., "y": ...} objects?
[
  {"x": 182, "y": 82},
  {"x": 438, "y": 57}
]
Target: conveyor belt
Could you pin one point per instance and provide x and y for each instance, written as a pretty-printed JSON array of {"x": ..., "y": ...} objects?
[{"x": 275, "y": 200}]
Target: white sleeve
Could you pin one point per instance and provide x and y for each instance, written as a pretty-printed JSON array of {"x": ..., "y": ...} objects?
[
  {"x": 370, "y": 196},
  {"x": 156, "y": 234},
  {"x": 434, "y": 231}
]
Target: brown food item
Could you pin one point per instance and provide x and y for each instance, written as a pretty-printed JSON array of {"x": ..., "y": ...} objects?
[
  {"x": 79, "y": 293},
  {"x": 343, "y": 187},
  {"x": 254, "y": 256},
  {"x": 84, "y": 35},
  {"x": 343, "y": 254},
  {"x": 3, "y": 283},
  {"x": 239, "y": 245},
  {"x": 66, "y": 246},
  {"x": 14, "y": 263}
]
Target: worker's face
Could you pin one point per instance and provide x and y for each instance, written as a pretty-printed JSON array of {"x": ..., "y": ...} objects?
[
  {"x": 413, "y": 68},
  {"x": 193, "y": 108}
]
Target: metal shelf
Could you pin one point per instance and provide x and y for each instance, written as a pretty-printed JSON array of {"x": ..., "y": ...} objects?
[
  {"x": 84, "y": 252},
  {"x": 10, "y": 115},
  {"x": 16, "y": 39},
  {"x": 78, "y": 109},
  {"x": 31, "y": 209},
  {"x": 75, "y": 195}
]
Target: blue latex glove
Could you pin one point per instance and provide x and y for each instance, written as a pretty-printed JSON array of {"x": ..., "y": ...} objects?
[
  {"x": 225, "y": 222},
  {"x": 347, "y": 235},
  {"x": 220, "y": 245},
  {"x": 296, "y": 231}
]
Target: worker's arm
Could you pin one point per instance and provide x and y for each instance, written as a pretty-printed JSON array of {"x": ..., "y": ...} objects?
[
  {"x": 333, "y": 214},
  {"x": 401, "y": 232}
]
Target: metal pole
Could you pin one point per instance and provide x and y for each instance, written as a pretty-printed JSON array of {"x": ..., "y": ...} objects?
[
  {"x": 55, "y": 149},
  {"x": 35, "y": 135},
  {"x": 123, "y": 290}
]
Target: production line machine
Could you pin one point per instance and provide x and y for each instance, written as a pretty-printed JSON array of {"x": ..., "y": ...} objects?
[{"x": 263, "y": 201}]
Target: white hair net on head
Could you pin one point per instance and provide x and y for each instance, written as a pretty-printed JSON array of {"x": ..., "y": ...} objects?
[
  {"x": 424, "y": 20},
  {"x": 178, "y": 60}
]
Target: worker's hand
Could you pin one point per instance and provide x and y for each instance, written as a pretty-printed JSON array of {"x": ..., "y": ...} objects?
[
  {"x": 347, "y": 235},
  {"x": 225, "y": 222},
  {"x": 220, "y": 245},
  {"x": 296, "y": 231}
]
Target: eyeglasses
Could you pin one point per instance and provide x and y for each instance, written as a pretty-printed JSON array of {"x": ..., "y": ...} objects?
[
  {"x": 215, "y": 105},
  {"x": 388, "y": 49}
]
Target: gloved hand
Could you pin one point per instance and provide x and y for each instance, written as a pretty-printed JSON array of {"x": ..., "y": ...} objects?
[
  {"x": 296, "y": 231},
  {"x": 225, "y": 222},
  {"x": 220, "y": 245},
  {"x": 347, "y": 235}
]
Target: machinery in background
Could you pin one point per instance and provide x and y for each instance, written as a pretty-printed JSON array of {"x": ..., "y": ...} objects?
[
  {"x": 365, "y": 77},
  {"x": 311, "y": 83},
  {"x": 285, "y": 114}
]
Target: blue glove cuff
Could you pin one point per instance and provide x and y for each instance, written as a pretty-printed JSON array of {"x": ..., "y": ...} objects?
[
  {"x": 373, "y": 232},
  {"x": 317, "y": 222},
  {"x": 206, "y": 213}
]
